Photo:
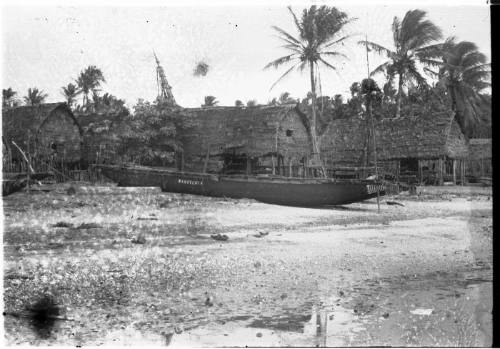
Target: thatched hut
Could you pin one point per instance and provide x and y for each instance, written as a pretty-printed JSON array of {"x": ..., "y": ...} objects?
[
  {"x": 479, "y": 162},
  {"x": 49, "y": 133},
  {"x": 261, "y": 139},
  {"x": 430, "y": 148}
]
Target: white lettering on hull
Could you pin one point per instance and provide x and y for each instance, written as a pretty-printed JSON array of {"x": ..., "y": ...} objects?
[{"x": 189, "y": 181}]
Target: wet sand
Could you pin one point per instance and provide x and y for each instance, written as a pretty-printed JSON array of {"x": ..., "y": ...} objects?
[{"x": 412, "y": 275}]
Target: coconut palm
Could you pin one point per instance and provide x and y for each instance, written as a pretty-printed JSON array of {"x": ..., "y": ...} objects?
[
  {"x": 8, "y": 97},
  {"x": 35, "y": 96},
  {"x": 239, "y": 103},
  {"x": 465, "y": 73},
  {"x": 89, "y": 80},
  {"x": 412, "y": 38},
  {"x": 70, "y": 92},
  {"x": 210, "y": 101},
  {"x": 320, "y": 30}
]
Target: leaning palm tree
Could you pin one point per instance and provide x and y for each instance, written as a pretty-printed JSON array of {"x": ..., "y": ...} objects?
[
  {"x": 320, "y": 30},
  {"x": 70, "y": 92},
  {"x": 89, "y": 80},
  {"x": 8, "y": 97},
  {"x": 465, "y": 73},
  {"x": 35, "y": 96},
  {"x": 412, "y": 38}
]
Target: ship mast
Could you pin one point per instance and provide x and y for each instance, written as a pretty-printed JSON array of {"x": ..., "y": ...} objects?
[{"x": 164, "y": 90}]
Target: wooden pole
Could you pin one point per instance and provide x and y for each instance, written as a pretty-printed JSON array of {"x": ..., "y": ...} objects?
[
  {"x": 454, "y": 172},
  {"x": 249, "y": 165},
  {"x": 205, "y": 165}
]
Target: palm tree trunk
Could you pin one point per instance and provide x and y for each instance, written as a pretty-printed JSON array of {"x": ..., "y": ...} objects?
[
  {"x": 314, "y": 139},
  {"x": 314, "y": 136},
  {"x": 398, "y": 97}
]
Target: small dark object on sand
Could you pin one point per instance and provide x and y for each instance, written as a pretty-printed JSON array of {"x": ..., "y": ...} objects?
[
  {"x": 140, "y": 239},
  {"x": 386, "y": 315},
  {"x": 44, "y": 314},
  {"x": 168, "y": 338},
  {"x": 209, "y": 301},
  {"x": 88, "y": 226},
  {"x": 62, "y": 225},
  {"x": 219, "y": 237},
  {"x": 259, "y": 334},
  {"x": 261, "y": 234},
  {"x": 71, "y": 190},
  {"x": 394, "y": 203}
]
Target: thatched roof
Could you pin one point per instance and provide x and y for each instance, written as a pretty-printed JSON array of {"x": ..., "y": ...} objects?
[
  {"x": 254, "y": 131},
  {"x": 16, "y": 122},
  {"x": 480, "y": 148},
  {"x": 422, "y": 137}
]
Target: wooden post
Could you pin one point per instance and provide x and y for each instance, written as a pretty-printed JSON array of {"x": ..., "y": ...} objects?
[
  {"x": 440, "y": 168},
  {"x": 272, "y": 162},
  {"x": 249, "y": 165},
  {"x": 463, "y": 172},
  {"x": 205, "y": 165},
  {"x": 420, "y": 179},
  {"x": 182, "y": 161},
  {"x": 454, "y": 172}
]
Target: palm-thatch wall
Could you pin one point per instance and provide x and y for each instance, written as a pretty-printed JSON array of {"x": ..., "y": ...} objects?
[
  {"x": 49, "y": 132},
  {"x": 427, "y": 141},
  {"x": 262, "y": 134},
  {"x": 423, "y": 137},
  {"x": 479, "y": 163}
]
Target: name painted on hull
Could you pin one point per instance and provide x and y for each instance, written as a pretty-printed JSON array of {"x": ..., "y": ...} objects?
[
  {"x": 372, "y": 188},
  {"x": 189, "y": 181}
]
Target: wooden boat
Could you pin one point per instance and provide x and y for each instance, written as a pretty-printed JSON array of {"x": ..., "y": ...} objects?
[
  {"x": 13, "y": 182},
  {"x": 307, "y": 192}
]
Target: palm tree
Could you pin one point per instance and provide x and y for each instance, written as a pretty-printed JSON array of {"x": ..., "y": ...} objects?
[
  {"x": 239, "y": 103},
  {"x": 35, "y": 96},
  {"x": 70, "y": 92},
  {"x": 252, "y": 103},
  {"x": 464, "y": 73},
  {"x": 210, "y": 101},
  {"x": 89, "y": 80},
  {"x": 8, "y": 97},
  {"x": 412, "y": 38},
  {"x": 320, "y": 29}
]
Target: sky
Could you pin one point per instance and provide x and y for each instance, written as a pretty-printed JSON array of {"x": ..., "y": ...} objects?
[{"x": 47, "y": 46}]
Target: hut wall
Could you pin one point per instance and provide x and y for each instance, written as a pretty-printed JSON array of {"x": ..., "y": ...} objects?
[
  {"x": 256, "y": 132},
  {"x": 59, "y": 137},
  {"x": 479, "y": 163},
  {"x": 48, "y": 132}
]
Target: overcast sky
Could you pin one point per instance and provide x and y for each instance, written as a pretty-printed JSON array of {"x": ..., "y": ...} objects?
[{"x": 46, "y": 47}]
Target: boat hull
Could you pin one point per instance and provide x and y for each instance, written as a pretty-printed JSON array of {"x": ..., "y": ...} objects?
[{"x": 274, "y": 190}]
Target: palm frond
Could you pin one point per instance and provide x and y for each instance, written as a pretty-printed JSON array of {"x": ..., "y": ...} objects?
[
  {"x": 335, "y": 54},
  {"x": 381, "y": 69},
  {"x": 295, "y": 19},
  {"x": 285, "y": 34},
  {"x": 327, "y": 64},
  {"x": 432, "y": 72},
  {"x": 377, "y": 48},
  {"x": 276, "y": 63},
  {"x": 343, "y": 38},
  {"x": 282, "y": 76}
]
